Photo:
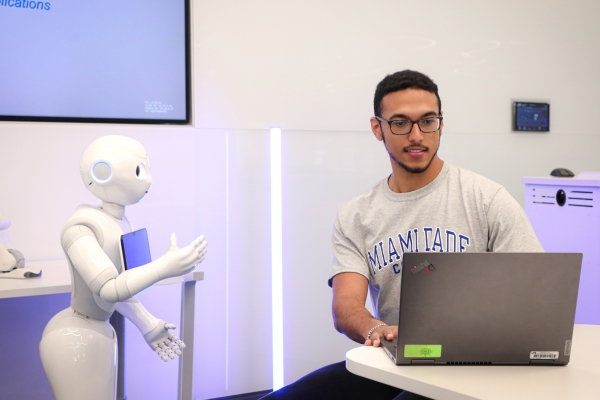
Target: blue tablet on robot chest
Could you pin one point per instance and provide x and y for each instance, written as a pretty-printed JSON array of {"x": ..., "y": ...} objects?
[{"x": 135, "y": 248}]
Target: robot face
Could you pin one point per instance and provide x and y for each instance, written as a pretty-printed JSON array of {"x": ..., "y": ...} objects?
[{"x": 116, "y": 169}]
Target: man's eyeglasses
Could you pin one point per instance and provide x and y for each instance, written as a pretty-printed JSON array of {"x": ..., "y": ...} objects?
[{"x": 404, "y": 126}]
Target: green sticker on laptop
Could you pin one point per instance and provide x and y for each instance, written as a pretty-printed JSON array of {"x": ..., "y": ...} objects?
[{"x": 422, "y": 350}]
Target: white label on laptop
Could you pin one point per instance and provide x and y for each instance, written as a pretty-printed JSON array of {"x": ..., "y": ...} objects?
[
  {"x": 567, "y": 347},
  {"x": 543, "y": 355}
]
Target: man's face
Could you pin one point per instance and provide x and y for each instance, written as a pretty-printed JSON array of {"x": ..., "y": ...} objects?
[{"x": 415, "y": 151}]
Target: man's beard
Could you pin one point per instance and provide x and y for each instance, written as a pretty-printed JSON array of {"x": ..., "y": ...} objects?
[{"x": 411, "y": 170}]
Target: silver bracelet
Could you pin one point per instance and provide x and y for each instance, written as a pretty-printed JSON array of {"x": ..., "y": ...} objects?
[{"x": 373, "y": 330}]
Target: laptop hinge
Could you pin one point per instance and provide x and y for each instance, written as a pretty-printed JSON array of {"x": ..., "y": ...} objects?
[
  {"x": 541, "y": 362},
  {"x": 422, "y": 362}
]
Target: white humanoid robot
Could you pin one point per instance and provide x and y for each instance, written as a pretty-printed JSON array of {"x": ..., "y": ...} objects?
[{"x": 79, "y": 347}]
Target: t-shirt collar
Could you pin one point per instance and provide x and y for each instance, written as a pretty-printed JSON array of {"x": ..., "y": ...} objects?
[{"x": 415, "y": 194}]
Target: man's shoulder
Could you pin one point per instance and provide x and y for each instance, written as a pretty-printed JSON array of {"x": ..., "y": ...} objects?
[{"x": 472, "y": 180}]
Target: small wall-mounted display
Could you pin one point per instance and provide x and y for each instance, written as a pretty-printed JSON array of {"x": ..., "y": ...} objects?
[{"x": 531, "y": 116}]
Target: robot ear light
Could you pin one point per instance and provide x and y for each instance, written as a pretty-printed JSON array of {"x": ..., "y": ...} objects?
[{"x": 101, "y": 171}]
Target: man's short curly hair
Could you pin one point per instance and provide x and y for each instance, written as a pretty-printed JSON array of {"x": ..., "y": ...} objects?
[{"x": 401, "y": 80}]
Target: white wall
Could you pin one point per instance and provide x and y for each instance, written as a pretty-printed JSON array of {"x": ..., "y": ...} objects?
[{"x": 309, "y": 67}]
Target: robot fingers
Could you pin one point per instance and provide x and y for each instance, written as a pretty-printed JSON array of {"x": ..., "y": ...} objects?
[
  {"x": 199, "y": 242},
  {"x": 175, "y": 348},
  {"x": 161, "y": 353},
  {"x": 165, "y": 352},
  {"x": 178, "y": 342},
  {"x": 168, "y": 350},
  {"x": 201, "y": 246},
  {"x": 197, "y": 250},
  {"x": 200, "y": 254}
]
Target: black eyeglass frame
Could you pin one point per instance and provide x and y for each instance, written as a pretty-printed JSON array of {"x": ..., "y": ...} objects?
[{"x": 439, "y": 118}]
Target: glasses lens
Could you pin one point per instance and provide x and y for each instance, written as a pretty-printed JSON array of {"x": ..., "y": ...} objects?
[
  {"x": 401, "y": 126},
  {"x": 429, "y": 124}
]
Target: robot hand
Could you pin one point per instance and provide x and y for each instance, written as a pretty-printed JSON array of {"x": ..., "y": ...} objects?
[
  {"x": 162, "y": 340},
  {"x": 9, "y": 258},
  {"x": 176, "y": 261}
]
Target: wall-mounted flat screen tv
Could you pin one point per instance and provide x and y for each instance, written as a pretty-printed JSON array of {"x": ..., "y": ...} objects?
[{"x": 121, "y": 61}]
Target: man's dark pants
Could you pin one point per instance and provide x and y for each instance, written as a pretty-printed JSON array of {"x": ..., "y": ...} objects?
[{"x": 334, "y": 382}]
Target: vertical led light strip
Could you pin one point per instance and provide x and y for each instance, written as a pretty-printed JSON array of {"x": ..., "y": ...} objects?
[
  {"x": 227, "y": 262},
  {"x": 276, "y": 259}
]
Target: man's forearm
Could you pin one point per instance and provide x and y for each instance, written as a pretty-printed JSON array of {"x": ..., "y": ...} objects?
[{"x": 354, "y": 321}]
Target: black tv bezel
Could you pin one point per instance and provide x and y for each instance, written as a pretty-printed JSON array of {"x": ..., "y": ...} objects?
[
  {"x": 133, "y": 121},
  {"x": 514, "y": 115}
]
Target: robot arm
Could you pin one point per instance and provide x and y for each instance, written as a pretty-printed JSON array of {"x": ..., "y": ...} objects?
[
  {"x": 9, "y": 259},
  {"x": 157, "y": 333},
  {"x": 101, "y": 276}
]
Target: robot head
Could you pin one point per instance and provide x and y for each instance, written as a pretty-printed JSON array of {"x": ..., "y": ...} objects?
[{"x": 116, "y": 169}]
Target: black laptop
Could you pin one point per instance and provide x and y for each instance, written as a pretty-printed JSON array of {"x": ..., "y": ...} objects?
[{"x": 486, "y": 309}]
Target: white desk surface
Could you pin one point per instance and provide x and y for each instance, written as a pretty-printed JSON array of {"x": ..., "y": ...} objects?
[
  {"x": 56, "y": 278},
  {"x": 580, "y": 379}
]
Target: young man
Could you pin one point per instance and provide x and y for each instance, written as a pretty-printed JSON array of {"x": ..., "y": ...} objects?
[{"x": 424, "y": 205}]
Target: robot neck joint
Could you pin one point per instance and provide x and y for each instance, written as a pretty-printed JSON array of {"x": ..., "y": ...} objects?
[{"x": 116, "y": 210}]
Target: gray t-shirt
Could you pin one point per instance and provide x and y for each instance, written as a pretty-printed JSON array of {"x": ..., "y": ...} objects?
[{"x": 458, "y": 211}]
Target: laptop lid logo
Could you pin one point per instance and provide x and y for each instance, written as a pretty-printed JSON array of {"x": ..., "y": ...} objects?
[{"x": 425, "y": 265}]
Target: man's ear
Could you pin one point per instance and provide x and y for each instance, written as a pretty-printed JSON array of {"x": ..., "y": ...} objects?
[
  {"x": 441, "y": 123},
  {"x": 376, "y": 128}
]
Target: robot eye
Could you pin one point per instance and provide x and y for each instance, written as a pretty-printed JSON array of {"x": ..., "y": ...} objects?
[{"x": 140, "y": 171}]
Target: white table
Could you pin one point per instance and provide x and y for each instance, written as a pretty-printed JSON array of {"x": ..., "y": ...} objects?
[
  {"x": 56, "y": 279},
  {"x": 579, "y": 380}
]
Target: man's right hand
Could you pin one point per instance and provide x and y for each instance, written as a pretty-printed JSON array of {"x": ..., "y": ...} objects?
[{"x": 382, "y": 333}]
